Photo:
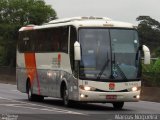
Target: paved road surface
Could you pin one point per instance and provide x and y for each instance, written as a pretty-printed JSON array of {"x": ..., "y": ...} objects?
[{"x": 14, "y": 104}]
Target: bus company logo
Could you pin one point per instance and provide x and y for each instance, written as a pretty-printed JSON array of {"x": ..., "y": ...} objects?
[{"x": 111, "y": 86}]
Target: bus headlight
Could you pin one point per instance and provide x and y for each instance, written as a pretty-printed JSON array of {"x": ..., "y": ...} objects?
[
  {"x": 81, "y": 95},
  {"x": 87, "y": 88},
  {"x": 134, "y": 89},
  {"x": 138, "y": 96}
]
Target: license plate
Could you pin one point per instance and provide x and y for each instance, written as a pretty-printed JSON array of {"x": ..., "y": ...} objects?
[{"x": 111, "y": 97}]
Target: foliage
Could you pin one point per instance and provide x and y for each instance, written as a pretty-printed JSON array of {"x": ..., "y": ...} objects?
[
  {"x": 149, "y": 31},
  {"x": 153, "y": 67},
  {"x": 157, "y": 51},
  {"x": 151, "y": 73},
  {"x": 25, "y": 12},
  {"x": 13, "y": 15},
  {"x": 148, "y": 68},
  {"x": 156, "y": 66},
  {"x": 151, "y": 79}
]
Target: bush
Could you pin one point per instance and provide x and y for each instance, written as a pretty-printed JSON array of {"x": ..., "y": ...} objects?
[
  {"x": 148, "y": 68},
  {"x": 156, "y": 66},
  {"x": 157, "y": 51},
  {"x": 151, "y": 73}
]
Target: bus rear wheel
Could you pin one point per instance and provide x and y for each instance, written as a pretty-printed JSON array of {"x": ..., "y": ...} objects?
[
  {"x": 31, "y": 96},
  {"x": 29, "y": 92},
  {"x": 118, "y": 105}
]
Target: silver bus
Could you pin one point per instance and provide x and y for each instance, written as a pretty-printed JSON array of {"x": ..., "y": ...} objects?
[{"x": 83, "y": 59}]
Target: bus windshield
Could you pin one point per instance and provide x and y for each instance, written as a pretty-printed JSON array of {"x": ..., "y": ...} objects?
[{"x": 109, "y": 53}]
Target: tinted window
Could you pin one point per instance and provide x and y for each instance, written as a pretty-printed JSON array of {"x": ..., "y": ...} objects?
[
  {"x": 52, "y": 40},
  {"x": 44, "y": 40},
  {"x": 73, "y": 38},
  {"x": 26, "y": 41}
]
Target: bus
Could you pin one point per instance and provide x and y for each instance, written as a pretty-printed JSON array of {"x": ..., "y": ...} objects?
[{"x": 81, "y": 59}]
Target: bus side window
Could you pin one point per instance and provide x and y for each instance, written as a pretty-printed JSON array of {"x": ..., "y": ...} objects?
[
  {"x": 56, "y": 39},
  {"x": 43, "y": 40},
  {"x": 52, "y": 40},
  {"x": 26, "y": 41},
  {"x": 73, "y": 38},
  {"x": 39, "y": 41},
  {"x": 64, "y": 39},
  {"x": 20, "y": 42}
]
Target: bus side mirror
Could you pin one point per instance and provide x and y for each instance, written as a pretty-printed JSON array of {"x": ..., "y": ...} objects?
[
  {"x": 146, "y": 54},
  {"x": 77, "y": 51}
]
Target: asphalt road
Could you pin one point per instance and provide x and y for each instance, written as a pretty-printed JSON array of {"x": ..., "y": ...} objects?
[{"x": 15, "y": 106}]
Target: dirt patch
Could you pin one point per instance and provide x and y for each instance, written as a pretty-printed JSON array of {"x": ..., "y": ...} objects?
[
  {"x": 150, "y": 94},
  {"x": 8, "y": 79}
]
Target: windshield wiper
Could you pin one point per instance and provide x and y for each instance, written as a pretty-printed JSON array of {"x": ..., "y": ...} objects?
[
  {"x": 103, "y": 68},
  {"x": 118, "y": 68},
  {"x": 121, "y": 72}
]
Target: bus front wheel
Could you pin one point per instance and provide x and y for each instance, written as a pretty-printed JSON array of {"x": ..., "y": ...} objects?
[
  {"x": 118, "y": 105},
  {"x": 66, "y": 101}
]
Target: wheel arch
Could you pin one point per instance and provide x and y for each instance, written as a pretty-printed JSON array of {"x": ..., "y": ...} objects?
[{"x": 63, "y": 84}]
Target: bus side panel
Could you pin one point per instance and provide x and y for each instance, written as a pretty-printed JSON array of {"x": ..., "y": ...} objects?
[
  {"x": 45, "y": 73},
  {"x": 48, "y": 79},
  {"x": 50, "y": 75},
  {"x": 65, "y": 72},
  {"x": 73, "y": 88},
  {"x": 21, "y": 75},
  {"x": 52, "y": 70},
  {"x": 49, "y": 67},
  {"x": 30, "y": 63},
  {"x": 67, "y": 76},
  {"x": 26, "y": 69}
]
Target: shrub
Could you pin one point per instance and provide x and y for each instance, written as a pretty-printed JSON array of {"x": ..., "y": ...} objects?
[
  {"x": 156, "y": 66},
  {"x": 151, "y": 73}
]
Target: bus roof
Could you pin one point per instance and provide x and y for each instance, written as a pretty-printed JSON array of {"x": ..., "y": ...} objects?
[{"x": 81, "y": 22}]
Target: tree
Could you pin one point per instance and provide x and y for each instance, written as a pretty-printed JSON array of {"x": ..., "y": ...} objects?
[
  {"x": 15, "y": 14},
  {"x": 149, "y": 31},
  {"x": 25, "y": 12}
]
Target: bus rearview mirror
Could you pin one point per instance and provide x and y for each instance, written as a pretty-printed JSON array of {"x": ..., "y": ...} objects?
[
  {"x": 146, "y": 54},
  {"x": 77, "y": 51}
]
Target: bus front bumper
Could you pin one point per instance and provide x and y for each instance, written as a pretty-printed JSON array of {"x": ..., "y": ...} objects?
[{"x": 91, "y": 96}]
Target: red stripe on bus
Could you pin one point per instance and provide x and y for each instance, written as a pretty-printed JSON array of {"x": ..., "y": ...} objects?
[
  {"x": 59, "y": 57},
  {"x": 30, "y": 62},
  {"x": 38, "y": 80}
]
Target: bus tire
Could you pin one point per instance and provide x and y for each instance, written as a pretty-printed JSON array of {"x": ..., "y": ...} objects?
[
  {"x": 65, "y": 97},
  {"x": 29, "y": 92},
  {"x": 40, "y": 98},
  {"x": 118, "y": 105},
  {"x": 31, "y": 96}
]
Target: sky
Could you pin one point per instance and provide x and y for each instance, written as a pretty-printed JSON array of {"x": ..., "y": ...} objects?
[{"x": 119, "y": 10}]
